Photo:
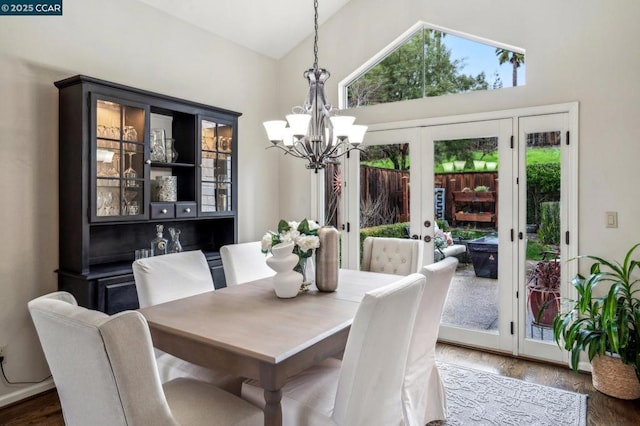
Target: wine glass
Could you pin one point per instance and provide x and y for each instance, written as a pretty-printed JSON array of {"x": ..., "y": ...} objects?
[
  {"x": 100, "y": 203},
  {"x": 108, "y": 203},
  {"x": 130, "y": 174},
  {"x": 130, "y": 208}
]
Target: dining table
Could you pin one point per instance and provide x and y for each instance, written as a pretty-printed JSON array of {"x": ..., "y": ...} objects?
[{"x": 249, "y": 332}]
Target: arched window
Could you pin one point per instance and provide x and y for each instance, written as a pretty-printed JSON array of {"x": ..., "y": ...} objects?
[{"x": 432, "y": 61}]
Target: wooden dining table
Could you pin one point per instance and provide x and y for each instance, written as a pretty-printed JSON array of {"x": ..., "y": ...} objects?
[{"x": 250, "y": 332}]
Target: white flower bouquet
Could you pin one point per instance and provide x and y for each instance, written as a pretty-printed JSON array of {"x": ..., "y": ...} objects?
[{"x": 303, "y": 234}]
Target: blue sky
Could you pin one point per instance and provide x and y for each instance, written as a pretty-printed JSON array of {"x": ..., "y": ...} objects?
[{"x": 480, "y": 57}]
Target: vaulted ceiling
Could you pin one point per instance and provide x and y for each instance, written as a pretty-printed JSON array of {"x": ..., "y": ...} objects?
[{"x": 269, "y": 27}]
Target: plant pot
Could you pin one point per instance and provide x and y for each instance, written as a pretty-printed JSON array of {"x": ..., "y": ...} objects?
[
  {"x": 459, "y": 165},
  {"x": 478, "y": 164},
  {"x": 544, "y": 305},
  {"x": 611, "y": 377},
  {"x": 447, "y": 167}
]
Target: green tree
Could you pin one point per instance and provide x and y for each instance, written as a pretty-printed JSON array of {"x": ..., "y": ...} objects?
[
  {"x": 516, "y": 59},
  {"x": 421, "y": 67},
  {"x": 398, "y": 154}
]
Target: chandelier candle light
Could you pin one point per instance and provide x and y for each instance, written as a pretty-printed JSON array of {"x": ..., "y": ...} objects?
[{"x": 315, "y": 133}]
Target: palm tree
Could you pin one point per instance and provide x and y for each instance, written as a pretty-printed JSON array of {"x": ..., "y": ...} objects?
[{"x": 515, "y": 58}]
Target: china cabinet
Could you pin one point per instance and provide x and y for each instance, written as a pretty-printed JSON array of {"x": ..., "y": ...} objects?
[{"x": 129, "y": 160}]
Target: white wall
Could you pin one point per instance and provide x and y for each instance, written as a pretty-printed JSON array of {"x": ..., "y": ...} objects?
[
  {"x": 130, "y": 43},
  {"x": 576, "y": 50}
]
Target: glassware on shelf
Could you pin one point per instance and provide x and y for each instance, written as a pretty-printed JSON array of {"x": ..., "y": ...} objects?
[
  {"x": 167, "y": 188},
  {"x": 130, "y": 174},
  {"x": 100, "y": 203},
  {"x": 114, "y": 130},
  {"x": 174, "y": 244},
  {"x": 130, "y": 134},
  {"x": 142, "y": 253},
  {"x": 129, "y": 206},
  {"x": 224, "y": 144},
  {"x": 159, "y": 243},
  {"x": 106, "y": 203},
  {"x": 104, "y": 166},
  {"x": 170, "y": 150},
  {"x": 158, "y": 141}
]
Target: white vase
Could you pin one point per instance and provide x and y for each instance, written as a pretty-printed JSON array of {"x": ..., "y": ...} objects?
[{"x": 286, "y": 281}]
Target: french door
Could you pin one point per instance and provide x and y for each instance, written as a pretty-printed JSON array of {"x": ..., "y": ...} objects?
[
  {"x": 474, "y": 208},
  {"x": 499, "y": 192},
  {"x": 547, "y": 216}
]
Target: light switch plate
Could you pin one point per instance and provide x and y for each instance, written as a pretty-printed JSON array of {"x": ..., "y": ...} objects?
[{"x": 612, "y": 219}]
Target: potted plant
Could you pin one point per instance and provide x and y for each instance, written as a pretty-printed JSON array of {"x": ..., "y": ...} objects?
[
  {"x": 543, "y": 288},
  {"x": 607, "y": 326}
]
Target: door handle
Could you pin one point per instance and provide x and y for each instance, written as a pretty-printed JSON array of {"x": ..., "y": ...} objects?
[
  {"x": 427, "y": 224},
  {"x": 427, "y": 239}
]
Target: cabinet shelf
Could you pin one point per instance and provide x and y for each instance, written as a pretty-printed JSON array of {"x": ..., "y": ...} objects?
[{"x": 172, "y": 165}]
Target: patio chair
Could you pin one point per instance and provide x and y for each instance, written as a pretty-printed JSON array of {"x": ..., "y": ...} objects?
[
  {"x": 397, "y": 256},
  {"x": 174, "y": 276},
  {"x": 244, "y": 262},
  {"x": 363, "y": 389},
  {"x": 105, "y": 373},
  {"x": 423, "y": 393}
]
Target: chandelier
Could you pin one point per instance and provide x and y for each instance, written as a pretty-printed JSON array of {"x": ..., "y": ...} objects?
[{"x": 316, "y": 132}]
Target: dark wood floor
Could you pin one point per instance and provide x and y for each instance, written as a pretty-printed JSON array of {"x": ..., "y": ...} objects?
[{"x": 602, "y": 410}]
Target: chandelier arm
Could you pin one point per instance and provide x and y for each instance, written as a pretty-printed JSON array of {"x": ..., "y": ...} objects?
[
  {"x": 306, "y": 150},
  {"x": 289, "y": 151}
]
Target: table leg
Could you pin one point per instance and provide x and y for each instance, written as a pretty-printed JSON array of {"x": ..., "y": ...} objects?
[{"x": 273, "y": 408}]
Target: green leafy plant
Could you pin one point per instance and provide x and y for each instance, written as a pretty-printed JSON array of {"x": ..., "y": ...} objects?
[
  {"x": 443, "y": 225},
  {"x": 607, "y": 324},
  {"x": 549, "y": 232},
  {"x": 466, "y": 234},
  {"x": 481, "y": 188}
]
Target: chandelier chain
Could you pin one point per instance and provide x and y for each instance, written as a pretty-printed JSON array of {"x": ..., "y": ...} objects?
[{"x": 315, "y": 39}]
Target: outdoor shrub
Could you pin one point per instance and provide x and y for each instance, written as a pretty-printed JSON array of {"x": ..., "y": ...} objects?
[
  {"x": 549, "y": 232},
  {"x": 467, "y": 234},
  {"x": 543, "y": 184},
  {"x": 443, "y": 224},
  {"x": 394, "y": 230}
]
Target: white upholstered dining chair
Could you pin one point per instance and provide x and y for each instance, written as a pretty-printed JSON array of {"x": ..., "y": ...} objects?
[
  {"x": 105, "y": 373},
  {"x": 399, "y": 256},
  {"x": 244, "y": 262},
  {"x": 174, "y": 276},
  {"x": 365, "y": 387},
  {"x": 423, "y": 393}
]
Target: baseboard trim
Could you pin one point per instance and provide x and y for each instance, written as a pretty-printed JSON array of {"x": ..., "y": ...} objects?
[{"x": 25, "y": 393}]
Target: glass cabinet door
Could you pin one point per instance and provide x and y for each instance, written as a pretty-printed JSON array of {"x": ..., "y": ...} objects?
[
  {"x": 118, "y": 160},
  {"x": 216, "y": 167}
]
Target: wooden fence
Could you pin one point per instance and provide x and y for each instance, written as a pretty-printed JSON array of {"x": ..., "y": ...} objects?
[{"x": 384, "y": 193}]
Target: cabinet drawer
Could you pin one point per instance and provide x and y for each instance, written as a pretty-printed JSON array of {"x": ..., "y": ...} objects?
[
  {"x": 163, "y": 210},
  {"x": 185, "y": 209}
]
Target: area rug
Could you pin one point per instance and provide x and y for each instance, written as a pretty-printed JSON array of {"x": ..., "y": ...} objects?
[{"x": 478, "y": 398}]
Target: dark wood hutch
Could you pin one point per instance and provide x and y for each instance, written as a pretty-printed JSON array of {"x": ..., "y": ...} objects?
[{"x": 108, "y": 165}]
